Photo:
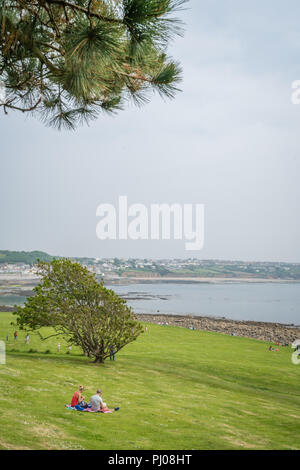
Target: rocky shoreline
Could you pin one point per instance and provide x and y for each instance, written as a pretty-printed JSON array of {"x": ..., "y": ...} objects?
[{"x": 271, "y": 332}]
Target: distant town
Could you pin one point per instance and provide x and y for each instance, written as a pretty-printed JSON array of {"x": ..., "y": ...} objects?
[{"x": 23, "y": 264}]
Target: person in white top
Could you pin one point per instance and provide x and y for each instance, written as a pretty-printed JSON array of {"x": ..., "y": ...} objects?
[{"x": 97, "y": 403}]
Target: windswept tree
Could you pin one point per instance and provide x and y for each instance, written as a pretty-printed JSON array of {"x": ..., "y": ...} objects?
[
  {"x": 66, "y": 61},
  {"x": 79, "y": 308}
]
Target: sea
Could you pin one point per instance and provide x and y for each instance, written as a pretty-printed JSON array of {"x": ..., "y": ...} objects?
[{"x": 266, "y": 302}]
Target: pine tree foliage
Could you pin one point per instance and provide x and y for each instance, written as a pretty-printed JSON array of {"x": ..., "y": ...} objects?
[{"x": 67, "y": 61}]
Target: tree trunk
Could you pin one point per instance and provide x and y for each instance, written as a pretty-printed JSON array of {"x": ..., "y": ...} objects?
[{"x": 99, "y": 359}]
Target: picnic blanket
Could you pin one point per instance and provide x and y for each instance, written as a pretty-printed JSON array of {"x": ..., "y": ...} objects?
[{"x": 104, "y": 410}]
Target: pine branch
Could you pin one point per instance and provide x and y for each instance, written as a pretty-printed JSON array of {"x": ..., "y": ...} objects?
[
  {"x": 86, "y": 11},
  {"x": 67, "y": 61},
  {"x": 23, "y": 110}
]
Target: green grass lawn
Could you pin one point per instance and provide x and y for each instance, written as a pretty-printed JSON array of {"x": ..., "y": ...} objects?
[{"x": 177, "y": 389}]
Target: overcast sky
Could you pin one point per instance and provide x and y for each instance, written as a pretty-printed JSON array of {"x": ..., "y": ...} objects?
[{"x": 230, "y": 141}]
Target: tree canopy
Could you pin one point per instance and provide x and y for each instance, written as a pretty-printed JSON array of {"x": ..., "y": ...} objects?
[
  {"x": 66, "y": 61},
  {"x": 79, "y": 308}
]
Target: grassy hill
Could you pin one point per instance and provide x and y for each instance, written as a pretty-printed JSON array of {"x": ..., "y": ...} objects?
[
  {"x": 31, "y": 257},
  {"x": 27, "y": 257},
  {"x": 177, "y": 389}
]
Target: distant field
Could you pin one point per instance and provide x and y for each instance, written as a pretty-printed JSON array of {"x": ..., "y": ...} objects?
[{"x": 177, "y": 389}]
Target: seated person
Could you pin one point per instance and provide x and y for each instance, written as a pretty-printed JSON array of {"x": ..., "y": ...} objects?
[
  {"x": 78, "y": 399},
  {"x": 97, "y": 403}
]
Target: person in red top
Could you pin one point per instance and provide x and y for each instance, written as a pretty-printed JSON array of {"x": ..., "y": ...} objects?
[{"x": 78, "y": 399}]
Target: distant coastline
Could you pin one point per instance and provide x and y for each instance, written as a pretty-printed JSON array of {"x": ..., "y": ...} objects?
[
  {"x": 158, "y": 270},
  {"x": 29, "y": 279},
  {"x": 32, "y": 278},
  {"x": 181, "y": 280}
]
